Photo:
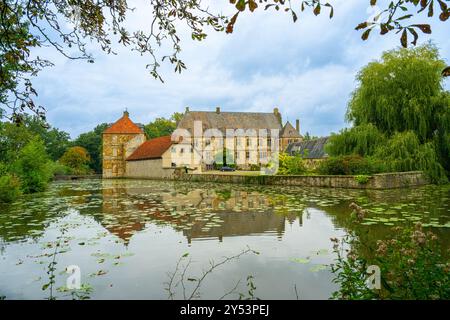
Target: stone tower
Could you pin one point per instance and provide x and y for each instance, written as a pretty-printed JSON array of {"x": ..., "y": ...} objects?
[{"x": 120, "y": 140}]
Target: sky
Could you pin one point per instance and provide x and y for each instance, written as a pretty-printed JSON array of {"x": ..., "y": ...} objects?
[{"x": 307, "y": 69}]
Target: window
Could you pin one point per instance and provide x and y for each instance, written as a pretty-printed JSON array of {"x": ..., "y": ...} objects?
[
  {"x": 236, "y": 155},
  {"x": 247, "y": 155},
  {"x": 238, "y": 139},
  {"x": 263, "y": 154},
  {"x": 182, "y": 150},
  {"x": 269, "y": 142},
  {"x": 249, "y": 143},
  {"x": 174, "y": 164},
  {"x": 173, "y": 150},
  {"x": 114, "y": 151}
]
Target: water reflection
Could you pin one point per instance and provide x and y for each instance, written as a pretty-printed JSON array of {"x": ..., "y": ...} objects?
[
  {"x": 198, "y": 213},
  {"x": 153, "y": 223}
]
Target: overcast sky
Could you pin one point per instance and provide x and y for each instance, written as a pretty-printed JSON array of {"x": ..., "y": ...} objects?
[{"x": 306, "y": 69}]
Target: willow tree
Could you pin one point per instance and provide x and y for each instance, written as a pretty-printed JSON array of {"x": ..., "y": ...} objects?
[{"x": 401, "y": 93}]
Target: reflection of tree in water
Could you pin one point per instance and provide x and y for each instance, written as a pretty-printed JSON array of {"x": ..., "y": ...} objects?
[{"x": 29, "y": 217}]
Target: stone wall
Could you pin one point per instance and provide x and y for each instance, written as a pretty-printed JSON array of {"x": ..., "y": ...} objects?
[
  {"x": 152, "y": 169},
  {"x": 116, "y": 148},
  {"x": 377, "y": 181}
]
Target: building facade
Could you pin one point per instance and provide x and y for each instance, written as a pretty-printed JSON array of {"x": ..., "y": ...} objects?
[
  {"x": 120, "y": 140},
  {"x": 201, "y": 142}
]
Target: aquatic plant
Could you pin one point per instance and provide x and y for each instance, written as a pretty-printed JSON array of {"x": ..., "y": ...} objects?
[{"x": 411, "y": 266}]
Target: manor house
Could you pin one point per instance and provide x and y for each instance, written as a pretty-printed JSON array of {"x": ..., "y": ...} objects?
[{"x": 202, "y": 140}]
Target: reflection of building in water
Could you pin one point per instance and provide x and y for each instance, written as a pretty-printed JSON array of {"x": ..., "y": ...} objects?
[
  {"x": 239, "y": 224},
  {"x": 120, "y": 216},
  {"x": 127, "y": 210},
  {"x": 226, "y": 200}
]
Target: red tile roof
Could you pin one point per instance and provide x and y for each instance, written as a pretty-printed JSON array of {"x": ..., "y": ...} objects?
[
  {"x": 124, "y": 125},
  {"x": 152, "y": 149}
]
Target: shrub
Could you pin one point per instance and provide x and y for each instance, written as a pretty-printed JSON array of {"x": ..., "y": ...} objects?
[
  {"x": 411, "y": 264},
  {"x": 349, "y": 165},
  {"x": 255, "y": 167},
  {"x": 59, "y": 169},
  {"x": 362, "y": 178},
  {"x": 77, "y": 159},
  {"x": 293, "y": 165},
  {"x": 33, "y": 167},
  {"x": 9, "y": 188}
]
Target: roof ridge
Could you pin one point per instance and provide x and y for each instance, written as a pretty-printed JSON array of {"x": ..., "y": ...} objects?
[{"x": 123, "y": 125}]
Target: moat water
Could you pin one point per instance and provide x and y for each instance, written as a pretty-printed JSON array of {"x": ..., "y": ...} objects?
[{"x": 127, "y": 237}]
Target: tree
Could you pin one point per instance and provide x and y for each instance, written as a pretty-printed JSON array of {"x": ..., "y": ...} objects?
[
  {"x": 308, "y": 137},
  {"x": 92, "y": 142},
  {"x": 68, "y": 25},
  {"x": 400, "y": 113},
  {"x": 77, "y": 159},
  {"x": 162, "y": 126},
  {"x": 14, "y": 136},
  {"x": 33, "y": 167}
]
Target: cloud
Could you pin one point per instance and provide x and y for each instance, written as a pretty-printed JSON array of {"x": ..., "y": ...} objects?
[{"x": 307, "y": 69}]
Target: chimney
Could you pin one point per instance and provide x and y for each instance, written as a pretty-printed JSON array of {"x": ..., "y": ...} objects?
[
  {"x": 187, "y": 109},
  {"x": 277, "y": 113},
  {"x": 126, "y": 114},
  {"x": 217, "y": 110},
  {"x": 297, "y": 125}
]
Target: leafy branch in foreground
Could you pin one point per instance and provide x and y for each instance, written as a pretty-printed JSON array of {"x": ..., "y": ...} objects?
[
  {"x": 398, "y": 12},
  {"x": 69, "y": 25},
  {"x": 391, "y": 19},
  {"x": 178, "y": 278}
]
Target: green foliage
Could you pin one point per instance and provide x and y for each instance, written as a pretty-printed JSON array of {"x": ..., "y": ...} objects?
[
  {"x": 56, "y": 141},
  {"x": 350, "y": 165},
  {"x": 308, "y": 137},
  {"x": 77, "y": 159},
  {"x": 290, "y": 165},
  {"x": 401, "y": 114},
  {"x": 57, "y": 168},
  {"x": 403, "y": 152},
  {"x": 412, "y": 267},
  {"x": 162, "y": 126},
  {"x": 14, "y": 137},
  {"x": 362, "y": 140},
  {"x": 362, "y": 178},
  {"x": 9, "y": 188},
  {"x": 92, "y": 142},
  {"x": 401, "y": 92},
  {"x": 33, "y": 167}
]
